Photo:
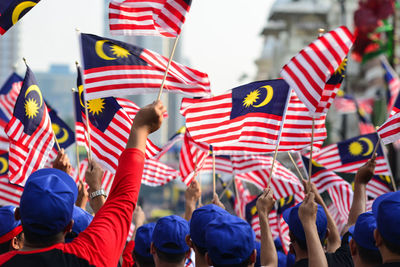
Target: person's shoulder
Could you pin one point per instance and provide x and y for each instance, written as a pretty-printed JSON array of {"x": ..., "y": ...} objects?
[
  {"x": 301, "y": 263},
  {"x": 7, "y": 256}
]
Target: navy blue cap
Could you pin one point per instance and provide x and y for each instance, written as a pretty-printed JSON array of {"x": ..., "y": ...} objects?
[
  {"x": 257, "y": 246},
  {"x": 81, "y": 218},
  {"x": 169, "y": 234},
  {"x": 363, "y": 231},
  {"x": 9, "y": 227},
  {"x": 143, "y": 240},
  {"x": 291, "y": 217},
  {"x": 47, "y": 201},
  {"x": 386, "y": 210},
  {"x": 229, "y": 240},
  {"x": 200, "y": 219}
]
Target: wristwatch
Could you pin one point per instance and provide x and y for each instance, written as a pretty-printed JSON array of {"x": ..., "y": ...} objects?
[{"x": 97, "y": 193}]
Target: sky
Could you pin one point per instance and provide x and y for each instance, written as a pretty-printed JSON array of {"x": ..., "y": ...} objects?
[{"x": 220, "y": 37}]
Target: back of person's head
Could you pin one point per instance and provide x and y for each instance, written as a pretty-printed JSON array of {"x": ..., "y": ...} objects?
[
  {"x": 46, "y": 205},
  {"x": 386, "y": 210},
  {"x": 82, "y": 219},
  {"x": 363, "y": 236},
  {"x": 10, "y": 228},
  {"x": 291, "y": 217},
  {"x": 168, "y": 239},
  {"x": 201, "y": 217},
  {"x": 230, "y": 242},
  {"x": 141, "y": 252}
]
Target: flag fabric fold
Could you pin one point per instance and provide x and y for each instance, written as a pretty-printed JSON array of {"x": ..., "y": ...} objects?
[
  {"x": 316, "y": 72},
  {"x": 114, "y": 68},
  {"x": 30, "y": 132},
  {"x": 147, "y": 17}
]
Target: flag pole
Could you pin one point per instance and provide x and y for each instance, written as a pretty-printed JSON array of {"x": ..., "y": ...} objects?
[
  {"x": 225, "y": 189},
  {"x": 295, "y": 165},
  {"x": 168, "y": 65},
  {"x": 320, "y": 33},
  {"x": 76, "y": 143},
  {"x": 56, "y": 141},
  {"x": 279, "y": 138},
  {"x": 237, "y": 197},
  {"x": 198, "y": 178},
  {"x": 213, "y": 162}
]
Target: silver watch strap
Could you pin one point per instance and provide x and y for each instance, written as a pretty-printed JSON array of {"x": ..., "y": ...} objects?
[{"x": 97, "y": 193}]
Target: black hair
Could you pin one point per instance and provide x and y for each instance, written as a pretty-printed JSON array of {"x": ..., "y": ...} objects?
[
  {"x": 170, "y": 257},
  {"x": 394, "y": 248},
  {"x": 368, "y": 255},
  {"x": 41, "y": 240},
  {"x": 202, "y": 251},
  {"x": 143, "y": 261},
  {"x": 244, "y": 263},
  {"x": 5, "y": 247}
]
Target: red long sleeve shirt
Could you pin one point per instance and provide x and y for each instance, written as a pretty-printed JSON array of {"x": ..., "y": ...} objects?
[{"x": 101, "y": 244}]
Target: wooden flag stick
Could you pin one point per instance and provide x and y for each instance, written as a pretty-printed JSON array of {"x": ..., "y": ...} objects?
[
  {"x": 237, "y": 197},
  {"x": 168, "y": 65},
  {"x": 311, "y": 152},
  {"x": 56, "y": 141},
  {"x": 226, "y": 189},
  {"x": 213, "y": 162},
  {"x": 376, "y": 147},
  {"x": 198, "y": 179},
  {"x": 295, "y": 165}
]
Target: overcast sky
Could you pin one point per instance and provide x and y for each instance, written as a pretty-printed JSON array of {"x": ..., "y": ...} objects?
[{"x": 221, "y": 37}]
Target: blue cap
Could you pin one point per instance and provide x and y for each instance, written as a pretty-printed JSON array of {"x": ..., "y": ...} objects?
[
  {"x": 386, "y": 210},
  {"x": 143, "y": 240},
  {"x": 291, "y": 217},
  {"x": 363, "y": 231},
  {"x": 278, "y": 243},
  {"x": 257, "y": 246},
  {"x": 200, "y": 219},
  {"x": 229, "y": 239},
  {"x": 282, "y": 259},
  {"x": 81, "y": 218},
  {"x": 47, "y": 202},
  {"x": 169, "y": 234},
  {"x": 9, "y": 227}
]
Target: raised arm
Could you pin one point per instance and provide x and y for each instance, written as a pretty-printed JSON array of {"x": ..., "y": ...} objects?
[
  {"x": 192, "y": 195},
  {"x": 265, "y": 203},
  {"x": 363, "y": 176},
  {"x": 93, "y": 176},
  {"x": 308, "y": 215}
]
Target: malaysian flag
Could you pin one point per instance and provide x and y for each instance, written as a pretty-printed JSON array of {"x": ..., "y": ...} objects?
[
  {"x": 8, "y": 96},
  {"x": 379, "y": 185},
  {"x": 30, "y": 133},
  {"x": 79, "y": 106},
  {"x": 349, "y": 155},
  {"x": 251, "y": 113},
  {"x": 339, "y": 190},
  {"x": 114, "y": 68},
  {"x": 296, "y": 133},
  {"x": 393, "y": 81},
  {"x": 192, "y": 158},
  {"x": 10, "y": 194},
  {"x": 11, "y": 11},
  {"x": 178, "y": 136},
  {"x": 156, "y": 173},
  {"x": 283, "y": 228},
  {"x": 244, "y": 198},
  {"x": 106, "y": 180},
  {"x": 65, "y": 136},
  {"x": 316, "y": 72},
  {"x": 389, "y": 131},
  {"x": 147, "y": 17},
  {"x": 339, "y": 220},
  {"x": 364, "y": 123},
  {"x": 223, "y": 165}
]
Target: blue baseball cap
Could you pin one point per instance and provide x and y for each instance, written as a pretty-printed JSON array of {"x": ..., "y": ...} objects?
[
  {"x": 9, "y": 227},
  {"x": 363, "y": 231},
  {"x": 200, "y": 219},
  {"x": 257, "y": 246},
  {"x": 386, "y": 210},
  {"x": 291, "y": 217},
  {"x": 169, "y": 234},
  {"x": 82, "y": 219},
  {"x": 47, "y": 201},
  {"x": 229, "y": 240},
  {"x": 143, "y": 240}
]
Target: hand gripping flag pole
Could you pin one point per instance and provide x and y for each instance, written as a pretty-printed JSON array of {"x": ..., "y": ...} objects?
[{"x": 168, "y": 65}]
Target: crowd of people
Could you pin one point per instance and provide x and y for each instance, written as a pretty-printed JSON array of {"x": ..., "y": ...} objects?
[{"x": 50, "y": 228}]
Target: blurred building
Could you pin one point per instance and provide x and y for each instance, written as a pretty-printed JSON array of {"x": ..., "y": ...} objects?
[{"x": 10, "y": 52}]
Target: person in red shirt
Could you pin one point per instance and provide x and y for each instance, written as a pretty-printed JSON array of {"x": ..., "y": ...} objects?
[{"x": 47, "y": 203}]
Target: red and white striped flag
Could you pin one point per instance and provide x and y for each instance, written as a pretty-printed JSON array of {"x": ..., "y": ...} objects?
[
  {"x": 30, "y": 132},
  {"x": 114, "y": 68},
  {"x": 222, "y": 165},
  {"x": 12, "y": 87},
  {"x": 244, "y": 196},
  {"x": 309, "y": 71},
  {"x": 106, "y": 180},
  {"x": 178, "y": 136},
  {"x": 339, "y": 220},
  {"x": 389, "y": 131},
  {"x": 10, "y": 194},
  {"x": 147, "y": 17},
  {"x": 296, "y": 133},
  {"x": 192, "y": 158},
  {"x": 156, "y": 173}
]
